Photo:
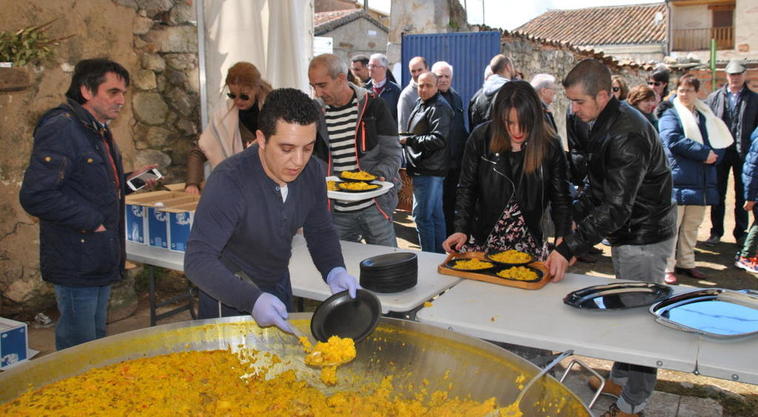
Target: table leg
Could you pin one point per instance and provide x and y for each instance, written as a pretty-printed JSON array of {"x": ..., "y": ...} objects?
[{"x": 154, "y": 304}]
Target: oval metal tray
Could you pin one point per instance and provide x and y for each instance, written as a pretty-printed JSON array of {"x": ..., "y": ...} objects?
[
  {"x": 713, "y": 312},
  {"x": 617, "y": 296}
]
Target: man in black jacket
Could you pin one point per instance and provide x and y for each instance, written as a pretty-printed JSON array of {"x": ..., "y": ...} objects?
[
  {"x": 737, "y": 105},
  {"x": 381, "y": 84},
  {"x": 629, "y": 201},
  {"x": 75, "y": 185},
  {"x": 502, "y": 72},
  {"x": 456, "y": 138},
  {"x": 427, "y": 161}
]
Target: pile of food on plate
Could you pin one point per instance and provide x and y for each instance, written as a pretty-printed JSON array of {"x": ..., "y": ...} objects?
[
  {"x": 472, "y": 264},
  {"x": 357, "y": 186},
  {"x": 519, "y": 273},
  {"x": 357, "y": 176},
  {"x": 510, "y": 256}
]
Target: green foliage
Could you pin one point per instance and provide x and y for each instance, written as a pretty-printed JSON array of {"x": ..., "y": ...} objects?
[{"x": 28, "y": 45}]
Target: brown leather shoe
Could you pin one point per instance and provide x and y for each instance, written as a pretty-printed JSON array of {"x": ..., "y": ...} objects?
[
  {"x": 610, "y": 388},
  {"x": 613, "y": 411},
  {"x": 693, "y": 272}
]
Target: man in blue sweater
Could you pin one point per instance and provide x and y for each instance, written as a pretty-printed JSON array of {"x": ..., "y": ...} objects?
[{"x": 241, "y": 242}]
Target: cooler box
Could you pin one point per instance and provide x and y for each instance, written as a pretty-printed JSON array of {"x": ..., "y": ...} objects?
[
  {"x": 13, "y": 342},
  {"x": 180, "y": 219}
]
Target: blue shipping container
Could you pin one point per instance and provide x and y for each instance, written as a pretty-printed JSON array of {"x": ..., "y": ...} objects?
[{"x": 467, "y": 52}]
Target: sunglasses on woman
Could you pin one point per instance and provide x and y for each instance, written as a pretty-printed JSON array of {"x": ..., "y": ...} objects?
[
  {"x": 655, "y": 83},
  {"x": 243, "y": 97},
  {"x": 615, "y": 89}
]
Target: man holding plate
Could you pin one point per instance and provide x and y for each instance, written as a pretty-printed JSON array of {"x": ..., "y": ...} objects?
[
  {"x": 240, "y": 246},
  {"x": 356, "y": 132}
]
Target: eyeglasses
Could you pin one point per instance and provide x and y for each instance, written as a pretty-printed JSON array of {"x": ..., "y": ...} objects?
[
  {"x": 243, "y": 97},
  {"x": 655, "y": 83},
  {"x": 615, "y": 89}
]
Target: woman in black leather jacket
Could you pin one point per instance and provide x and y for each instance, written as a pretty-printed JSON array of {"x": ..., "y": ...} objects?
[{"x": 512, "y": 168}]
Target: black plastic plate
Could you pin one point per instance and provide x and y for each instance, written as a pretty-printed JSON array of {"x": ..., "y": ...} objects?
[
  {"x": 340, "y": 315},
  {"x": 394, "y": 261},
  {"x": 540, "y": 274},
  {"x": 340, "y": 186}
]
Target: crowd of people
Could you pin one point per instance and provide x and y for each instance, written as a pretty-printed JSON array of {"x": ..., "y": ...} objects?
[{"x": 642, "y": 165}]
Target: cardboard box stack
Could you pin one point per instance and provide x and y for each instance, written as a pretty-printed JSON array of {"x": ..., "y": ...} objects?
[{"x": 151, "y": 217}]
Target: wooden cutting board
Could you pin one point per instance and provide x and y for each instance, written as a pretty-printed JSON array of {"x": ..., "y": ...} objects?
[{"x": 527, "y": 285}]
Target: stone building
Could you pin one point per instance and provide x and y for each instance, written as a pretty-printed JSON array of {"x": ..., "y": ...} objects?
[
  {"x": 353, "y": 32},
  {"x": 634, "y": 32}
]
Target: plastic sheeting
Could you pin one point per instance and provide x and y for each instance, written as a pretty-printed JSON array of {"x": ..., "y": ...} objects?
[{"x": 274, "y": 35}]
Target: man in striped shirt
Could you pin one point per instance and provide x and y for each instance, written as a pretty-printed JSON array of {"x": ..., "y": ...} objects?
[{"x": 356, "y": 132}]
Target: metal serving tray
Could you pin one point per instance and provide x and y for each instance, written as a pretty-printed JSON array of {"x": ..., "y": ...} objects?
[
  {"x": 617, "y": 296},
  {"x": 713, "y": 312}
]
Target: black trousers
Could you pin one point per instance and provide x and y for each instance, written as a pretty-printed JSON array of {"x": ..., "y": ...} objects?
[
  {"x": 449, "y": 189},
  {"x": 209, "y": 308},
  {"x": 732, "y": 161}
]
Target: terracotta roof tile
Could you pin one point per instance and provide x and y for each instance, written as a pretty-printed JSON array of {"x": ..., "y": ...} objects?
[
  {"x": 326, "y": 17},
  {"x": 325, "y": 22},
  {"x": 614, "y": 25}
]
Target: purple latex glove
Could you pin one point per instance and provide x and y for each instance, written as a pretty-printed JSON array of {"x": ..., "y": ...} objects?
[
  {"x": 339, "y": 280},
  {"x": 269, "y": 310}
]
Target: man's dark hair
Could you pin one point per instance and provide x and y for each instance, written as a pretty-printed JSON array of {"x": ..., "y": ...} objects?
[
  {"x": 363, "y": 59},
  {"x": 592, "y": 75},
  {"x": 288, "y": 105},
  {"x": 91, "y": 73}
]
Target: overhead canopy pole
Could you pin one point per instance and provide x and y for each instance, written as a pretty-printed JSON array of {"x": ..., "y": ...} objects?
[{"x": 200, "y": 15}]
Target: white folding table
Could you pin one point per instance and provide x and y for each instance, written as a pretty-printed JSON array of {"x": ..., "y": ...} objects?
[
  {"x": 307, "y": 281},
  {"x": 540, "y": 319}
]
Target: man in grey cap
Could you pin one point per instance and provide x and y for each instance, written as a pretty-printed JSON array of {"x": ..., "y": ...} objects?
[{"x": 737, "y": 105}]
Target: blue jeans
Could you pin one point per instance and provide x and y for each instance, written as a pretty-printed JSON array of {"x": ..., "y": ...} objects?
[
  {"x": 84, "y": 311},
  {"x": 369, "y": 224},
  {"x": 428, "y": 213}
]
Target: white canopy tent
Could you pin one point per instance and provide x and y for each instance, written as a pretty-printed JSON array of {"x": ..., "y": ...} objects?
[{"x": 274, "y": 35}]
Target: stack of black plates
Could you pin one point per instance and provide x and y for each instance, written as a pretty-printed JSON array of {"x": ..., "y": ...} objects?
[{"x": 393, "y": 272}]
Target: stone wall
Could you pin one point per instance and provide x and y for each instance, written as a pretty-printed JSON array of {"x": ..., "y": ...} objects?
[
  {"x": 156, "y": 41},
  {"x": 746, "y": 29},
  {"x": 423, "y": 16},
  {"x": 533, "y": 56},
  {"x": 360, "y": 36}
]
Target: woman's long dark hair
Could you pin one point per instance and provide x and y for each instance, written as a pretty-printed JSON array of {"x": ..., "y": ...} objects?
[{"x": 521, "y": 96}]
